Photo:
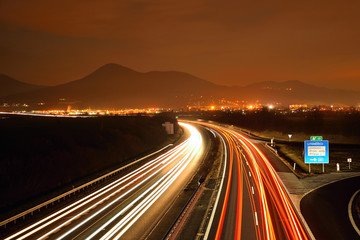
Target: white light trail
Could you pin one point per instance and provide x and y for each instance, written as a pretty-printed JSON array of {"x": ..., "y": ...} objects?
[{"x": 148, "y": 167}]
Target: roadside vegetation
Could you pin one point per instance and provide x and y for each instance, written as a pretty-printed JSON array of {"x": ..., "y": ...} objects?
[
  {"x": 339, "y": 153},
  {"x": 342, "y": 129},
  {"x": 337, "y": 127},
  {"x": 42, "y": 154}
]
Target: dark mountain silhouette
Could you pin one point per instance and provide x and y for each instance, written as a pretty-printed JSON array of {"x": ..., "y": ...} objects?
[
  {"x": 9, "y": 86},
  {"x": 115, "y": 86}
]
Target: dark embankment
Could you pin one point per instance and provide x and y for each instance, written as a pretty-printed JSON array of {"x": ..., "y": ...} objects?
[
  {"x": 342, "y": 129},
  {"x": 40, "y": 154},
  {"x": 337, "y": 127}
]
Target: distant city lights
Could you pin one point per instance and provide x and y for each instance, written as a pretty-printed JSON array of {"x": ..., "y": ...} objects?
[{"x": 216, "y": 105}]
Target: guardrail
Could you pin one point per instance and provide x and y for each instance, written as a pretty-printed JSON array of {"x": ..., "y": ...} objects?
[
  {"x": 68, "y": 193},
  {"x": 184, "y": 210},
  {"x": 272, "y": 149}
]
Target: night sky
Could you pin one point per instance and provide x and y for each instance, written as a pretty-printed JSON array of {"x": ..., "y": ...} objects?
[{"x": 226, "y": 42}]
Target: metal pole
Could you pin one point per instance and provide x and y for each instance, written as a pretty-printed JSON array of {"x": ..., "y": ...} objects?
[
  {"x": 323, "y": 168},
  {"x": 309, "y": 168}
]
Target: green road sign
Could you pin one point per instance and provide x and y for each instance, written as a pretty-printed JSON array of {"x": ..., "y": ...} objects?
[{"x": 316, "y": 138}]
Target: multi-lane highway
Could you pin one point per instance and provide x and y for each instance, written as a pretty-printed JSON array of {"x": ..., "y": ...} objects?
[
  {"x": 129, "y": 207},
  {"x": 252, "y": 203}
]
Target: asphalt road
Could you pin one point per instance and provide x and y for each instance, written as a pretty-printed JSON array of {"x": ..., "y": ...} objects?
[
  {"x": 129, "y": 207},
  {"x": 326, "y": 210},
  {"x": 253, "y": 203}
]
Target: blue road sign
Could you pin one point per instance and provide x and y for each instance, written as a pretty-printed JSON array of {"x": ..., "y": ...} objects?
[{"x": 316, "y": 151}]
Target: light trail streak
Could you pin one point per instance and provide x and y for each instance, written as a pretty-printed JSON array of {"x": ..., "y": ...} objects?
[
  {"x": 46, "y": 222},
  {"x": 156, "y": 193},
  {"x": 106, "y": 207},
  {"x": 269, "y": 191},
  {"x": 292, "y": 223},
  {"x": 94, "y": 195},
  {"x": 239, "y": 197},
  {"x": 259, "y": 183},
  {"x": 189, "y": 149},
  {"x": 227, "y": 193},
  {"x": 206, "y": 236},
  {"x": 163, "y": 184}
]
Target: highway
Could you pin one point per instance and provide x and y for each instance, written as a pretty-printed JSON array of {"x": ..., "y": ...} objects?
[
  {"x": 129, "y": 207},
  {"x": 252, "y": 202},
  {"x": 327, "y": 210}
]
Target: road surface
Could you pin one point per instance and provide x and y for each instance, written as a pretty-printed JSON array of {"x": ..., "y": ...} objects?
[
  {"x": 252, "y": 202},
  {"x": 326, "y": 210},
  {"x": 129, "y": 207}
]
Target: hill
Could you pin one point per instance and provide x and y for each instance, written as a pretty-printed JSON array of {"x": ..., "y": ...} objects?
[
  {"x": 115, "y": 86},
  {"x": 11, "y": 86}
]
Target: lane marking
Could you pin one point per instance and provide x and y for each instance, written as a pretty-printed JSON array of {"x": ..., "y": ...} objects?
[
  {"x": 227, "y": 193},
  {"x": 350, "y": 213},
  {"x": 256, "y": 219},
  {"x": 206, "y": 236}
]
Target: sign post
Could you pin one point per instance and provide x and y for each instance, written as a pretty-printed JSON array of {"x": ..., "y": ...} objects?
[
  {"x": 316, "y": 152},
  {"x": 349, "y": 161},
  {"x": 290, "y": 135}
]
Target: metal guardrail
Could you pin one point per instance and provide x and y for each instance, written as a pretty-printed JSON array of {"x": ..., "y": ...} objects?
[
  {"x": 178, "y": 219},
  {"x": 68, "y": 193},
  {"x": 271, "y": 149}
]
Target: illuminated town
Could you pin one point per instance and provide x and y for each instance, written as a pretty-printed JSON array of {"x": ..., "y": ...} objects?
[{"x": 222, "y": 106}]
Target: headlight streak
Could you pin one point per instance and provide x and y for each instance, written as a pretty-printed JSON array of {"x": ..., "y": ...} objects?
[
  {"x": 206, "y": 236},
  {"x": 147, "y": 202},
  {"x": 127, "y": 207},
  {"x": 164, "y": 160},
  {"x": 163, "y": 183},
  {"x": 227, "y": 193},
  {"x": 107, "y": 206},
  {"x": 120, "y": 181}
]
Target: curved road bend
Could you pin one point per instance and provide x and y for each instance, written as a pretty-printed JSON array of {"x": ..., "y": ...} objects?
[
  {"x": 253, "y": 203},
  {"x": 128, "y": 207},
  {"x": 326, "y": 210}
]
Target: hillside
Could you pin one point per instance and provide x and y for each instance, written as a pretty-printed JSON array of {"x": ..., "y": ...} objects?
[
  {"x": 115, "y": 86},
  {"x": 69, "y": 149},
  {"x": 11, "y": 86}
]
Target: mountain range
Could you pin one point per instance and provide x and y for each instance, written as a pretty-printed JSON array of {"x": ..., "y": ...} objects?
[
  {"x": 116, "y": 86},
  {"x": 10, "y": 86}
]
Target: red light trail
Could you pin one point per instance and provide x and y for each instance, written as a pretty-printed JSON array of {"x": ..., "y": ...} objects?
[{"x": 274, "y": 215}]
